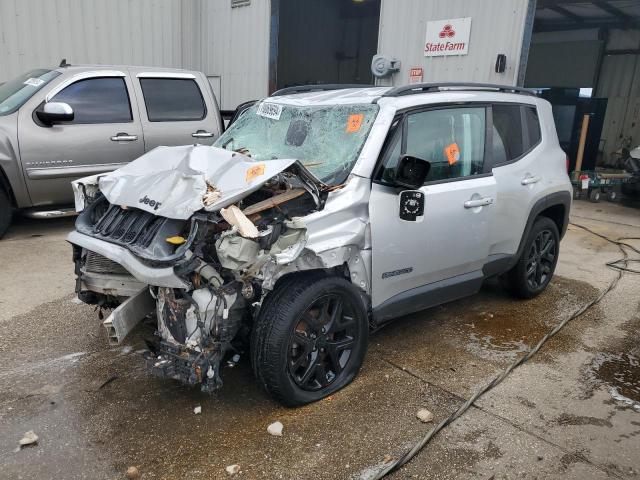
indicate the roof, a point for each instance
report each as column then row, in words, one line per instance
column 342, row 96
column 580, row 14
column 90, row 67
column 337, row 95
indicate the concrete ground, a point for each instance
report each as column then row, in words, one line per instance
column 571, row 412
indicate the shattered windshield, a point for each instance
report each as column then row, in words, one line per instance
column 326, row 139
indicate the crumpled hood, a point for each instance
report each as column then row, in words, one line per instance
column 172, row 181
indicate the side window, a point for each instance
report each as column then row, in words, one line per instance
column 97, row 100
column 507, row 125
column 532, row 125
column 172, row 99
column 452, row 140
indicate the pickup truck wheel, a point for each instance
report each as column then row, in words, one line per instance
column 310, row 340
column 6, row 212
column 536, row 265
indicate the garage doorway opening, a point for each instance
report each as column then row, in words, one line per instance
column 584, row 58
column 324, row 41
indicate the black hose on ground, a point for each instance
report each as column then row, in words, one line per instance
column 620, row 265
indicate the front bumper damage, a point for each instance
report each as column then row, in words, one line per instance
column 203, row 275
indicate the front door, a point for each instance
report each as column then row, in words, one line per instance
column 449, row 238
column 104, row 135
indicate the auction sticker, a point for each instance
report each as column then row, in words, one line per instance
column 34, row 82
column 254, row 171
column 270, row 110
column 354, row 122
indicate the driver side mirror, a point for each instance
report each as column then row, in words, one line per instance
column 411, row 172
column 54, row 112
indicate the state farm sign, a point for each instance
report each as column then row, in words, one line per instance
column 448, row 37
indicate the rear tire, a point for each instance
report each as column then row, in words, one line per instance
column 309, row 339
column 537, row 263
column 594, row 195
column 6, row 212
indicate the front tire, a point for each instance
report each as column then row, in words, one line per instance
column 310, row 339
column 537, row 263
column 6, row 212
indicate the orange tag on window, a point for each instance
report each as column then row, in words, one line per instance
column 453, row 153
column 254, row 171
column 354, row 122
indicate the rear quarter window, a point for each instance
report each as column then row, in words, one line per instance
column 516, row 131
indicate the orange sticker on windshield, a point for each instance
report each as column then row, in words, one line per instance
column 253, row 172
column 354, row 122
column 453, row 153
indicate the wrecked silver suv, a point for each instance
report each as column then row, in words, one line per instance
column 318, row 215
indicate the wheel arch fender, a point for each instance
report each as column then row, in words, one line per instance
column 346, row 261
column 555, row 206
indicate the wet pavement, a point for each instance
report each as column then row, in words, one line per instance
column 573, row 411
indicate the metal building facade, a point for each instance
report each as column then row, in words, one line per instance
column 233, row 41
column 497, row 26
column 228, row 44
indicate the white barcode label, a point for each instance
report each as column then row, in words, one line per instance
column 270, row 110
column 34, row 82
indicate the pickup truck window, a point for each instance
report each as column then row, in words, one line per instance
column 172, row 99
column 16, row 92
column 97, row 100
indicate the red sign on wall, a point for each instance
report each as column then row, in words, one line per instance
column 415, row 75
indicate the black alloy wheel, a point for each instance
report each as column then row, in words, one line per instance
column 541, row 259
column 321, row 342
column 534, row 269
column 310, row 338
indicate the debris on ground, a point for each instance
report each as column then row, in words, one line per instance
column 387, row 458
column 132, row 473
column 233, row 469
column 275, row 429
column 29, row 438
column 424, row 415
column 211, row 196
column 197, row 410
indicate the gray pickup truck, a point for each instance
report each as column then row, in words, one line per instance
column 57, row 125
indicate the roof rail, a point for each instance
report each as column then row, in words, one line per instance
column 438, row 87
column 317, row 88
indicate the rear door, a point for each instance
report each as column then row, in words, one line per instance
column 177, row 108
column 518, row 167
column 104, row 134
column 451, row 239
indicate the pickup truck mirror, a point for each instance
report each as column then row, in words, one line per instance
column 411, row 172
column 54, row 112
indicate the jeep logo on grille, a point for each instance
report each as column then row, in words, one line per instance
column 152, row 203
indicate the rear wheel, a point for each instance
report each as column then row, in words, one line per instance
column 310, row 339
column 6, row 212
column 536, row 265
column 594, row 195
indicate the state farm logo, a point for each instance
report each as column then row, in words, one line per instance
column 447, row 31
column 447, row 37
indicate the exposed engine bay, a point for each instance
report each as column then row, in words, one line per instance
column 198, row 243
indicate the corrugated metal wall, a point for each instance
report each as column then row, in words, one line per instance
column 619, row 82
column 206, row 35
column 235, row 46
column 39, row 33
column 497, row 27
